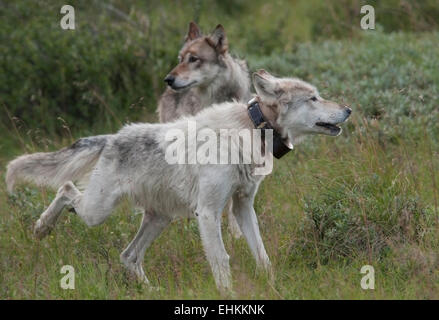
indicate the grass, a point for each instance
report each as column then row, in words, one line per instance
column 369, row 196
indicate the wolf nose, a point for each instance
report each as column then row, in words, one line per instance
column 348, row 110
column 169, row 79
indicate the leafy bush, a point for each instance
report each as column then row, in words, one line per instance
column 363, row 219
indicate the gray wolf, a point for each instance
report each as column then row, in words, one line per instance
column 131, row 162
column 206, row 74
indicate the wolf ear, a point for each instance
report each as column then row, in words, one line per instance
column 193, row 33
column 264, row 74
column 266, row 85
column 219, row 39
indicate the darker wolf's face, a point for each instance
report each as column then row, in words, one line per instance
column 301, row 109
column 200, row 59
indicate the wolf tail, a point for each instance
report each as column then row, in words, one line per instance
column 53, row 169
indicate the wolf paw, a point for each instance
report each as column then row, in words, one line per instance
column 153, row 289
column 41, row 229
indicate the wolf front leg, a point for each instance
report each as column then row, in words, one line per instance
column 248, row 222
column 212, row 198
column 209, row 222
column 151, row 227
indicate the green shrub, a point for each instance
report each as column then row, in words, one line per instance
column 363, row 219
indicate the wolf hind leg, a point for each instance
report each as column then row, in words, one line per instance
column 93, row 206
column 65, row 195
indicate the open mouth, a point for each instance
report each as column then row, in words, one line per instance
column 327, row 125
column 334, row 129
column 185, row 86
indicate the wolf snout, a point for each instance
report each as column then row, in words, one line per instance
column 347, row 112
column 169, row 79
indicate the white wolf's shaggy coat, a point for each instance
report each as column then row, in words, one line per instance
column 132, row 162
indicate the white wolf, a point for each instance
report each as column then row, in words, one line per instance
column 132, row 163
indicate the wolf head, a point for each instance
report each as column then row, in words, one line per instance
column 200, row 59
column 300, row 108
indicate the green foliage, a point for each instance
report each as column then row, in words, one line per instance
column 350, row 218
column 342, row 17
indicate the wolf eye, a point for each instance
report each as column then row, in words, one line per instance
column 193, row 59
column 314, row 98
